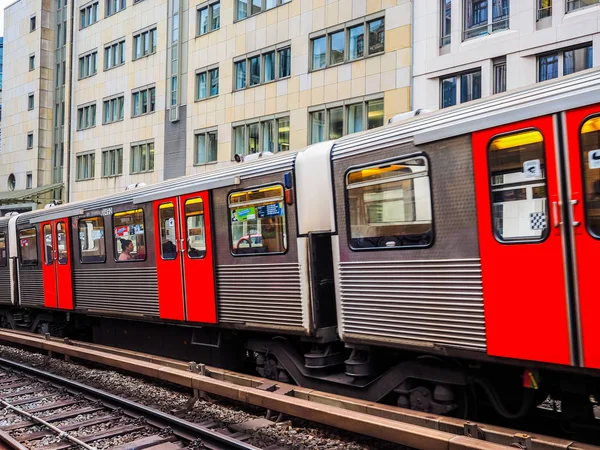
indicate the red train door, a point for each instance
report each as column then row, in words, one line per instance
column 184, row 259
column 56, row 265
column 524, row 286
column 583, row 144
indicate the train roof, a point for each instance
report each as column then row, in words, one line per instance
column 550, row 97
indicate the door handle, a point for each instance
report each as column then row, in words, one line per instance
column 182, row 245
column 556, row 221
column 574, row 202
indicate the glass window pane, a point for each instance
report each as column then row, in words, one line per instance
column 62, row 243
column 336, row 122
column 285, row 62
column 448, row 92
column 130, row 235
column 201, row 85
column 239, row 140
column 242, row 9
column 318, row 53
column 212, row 147
column 154, row 36
column 48, row 244
column 446, row 22
column 253, row 138
column 283, row 134
column 356, row 36
column 256, row 6
column 269, row 64
column 240, row 75
column 254, row 70
column 376, row 36
column 548, row 67
column 204, row 20
column 152, row 98
column 375, row 113
column 268, row 145
column 270, row 4
column 577, row 60
column 390, row 205
column 28, row 247
column 201, row 148
column 215, row 16
column 590, row 156
column 258, row 225
column 336, row 47
column 499, row 78
column 518, row 179
column 214, row 82
column 175, row 34
column 355, row 118
column 470, row 86
column 317, row 127
column 195, row 231
column 173, row 91
column 3, row 255
column 168, row 238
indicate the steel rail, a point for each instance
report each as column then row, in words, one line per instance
column 180, row 427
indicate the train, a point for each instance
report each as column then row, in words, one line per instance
column 442, row 262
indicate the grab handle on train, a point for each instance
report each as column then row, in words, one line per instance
column 555, row 219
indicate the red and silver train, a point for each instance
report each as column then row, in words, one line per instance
column 435, row 262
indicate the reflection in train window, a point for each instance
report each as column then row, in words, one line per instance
column 91, row 240
column 518, row 178
column 196, row 238
column 130, row 235
column 390, row 205
column 61, row 241
column 257, row 220
column 590, row 155
column 48, row 245
column 3, row 256
column 168, row 238
column 28, row 246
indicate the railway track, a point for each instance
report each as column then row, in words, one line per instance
column 43, row 410
column 409, row 428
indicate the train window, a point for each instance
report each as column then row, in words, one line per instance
column 91, row 240
column 390, row 205
column 28, row 247
column 3, row 256
column 61, row 241
column 590, row 154
column 196, row 238
column 48, row 244
column 518, row 186
column 130, row 235
column 257, row 219
column 168, row 243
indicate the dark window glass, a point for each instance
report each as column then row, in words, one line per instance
column 390, row 205
column 285, row 62
column 448, row 92
column 548, row 67
column 3, row 250
column 336, row 47
column 91, row 240
column 195, row 232
column 240, row 75
column 356, row 42
column 62, row 243
column 336, row 122
column 470, row 86
column 28, row 246
column 130, row 235
column 254, row 70
column 318, row 53
column 269, row 65
column 590, row 155
column 376, row 36
column 168, row 236
column 375, row 113
column 48, row 245
column 577, row 60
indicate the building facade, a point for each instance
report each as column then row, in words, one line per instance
column 128, row 92
column 475, row 48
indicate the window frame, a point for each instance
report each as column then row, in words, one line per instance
column 544, row 13
column 205, row 132
column 116, row 253
column 37, row 250
column 260, row 54
column 93, row 55
column 90, row 157
column 274, row 118
column 148, row 159
column 498, row 238
column 209, row 7
column 285, row 218
column 88, row 11
column 32, row 23
column 32, row 62
column 568, row 2
column 458, row 86
column 445, row 35
column 489, row 25
column 345, row 27
column 4, row 261
column 104, row 155
column 208, row 71
column 108, row 101
column 263, row 9
column 30, row 135
column 30, row 101
column 583, row 183
column 148, row 89
column 395, row 159
column 81, row 113
column 152, row 43
column 79, row 220
column 110, row 47
column 122, row 5
column 497, row 64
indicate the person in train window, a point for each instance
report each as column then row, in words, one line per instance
column 127, row 248
column 48, row 254
column 169, row 250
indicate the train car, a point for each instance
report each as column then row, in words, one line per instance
column 7, row 284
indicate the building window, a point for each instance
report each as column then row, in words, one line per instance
column 573, row 5
column 209, row 18
column 91, row 240
column 175, row 28
column 130, row 235
column 544, row 9
column 484, row 17
column 468, row 84
column 268, row 65
column 173, row 91
column 31, row 63
column 30, row 140
column 445, row 22
column 270, row 134
column 86, row 117
column 577, row 59
column 29, row 181
column 249, row 212
column 32, row 24
column 86, row 165
column 114, row 55
column 28, row 247
column 206, row 146
column 207, row 83
column 88, row 65
column 88, row 15
column 30, row 102
column 351, row 116
column 347, row 44
column 246, row 8
column 390, row 205
column 112, row 162
column 144, row 43
column 547, row 67
column 114, row 6
column 114, row 109
column 144, row 101
column 142, row 157
column 499, row 67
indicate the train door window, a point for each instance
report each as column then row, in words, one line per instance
column 48, row 244
column 168, row 238
column 257, row 221
column 91, row 240
column 130, row 235
column 590, row 154
column 390, row 205
column 196, row 237
column 28, row 247
column 61, row 243
column 3, row 256
column 518, row 187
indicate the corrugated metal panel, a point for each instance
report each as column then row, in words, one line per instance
column 272, row 164
column 268, row 294
column 5, row 285
column 175, row 144
column 439, row 301
column 117, row 290
column 31, row 287
column 540, row 99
